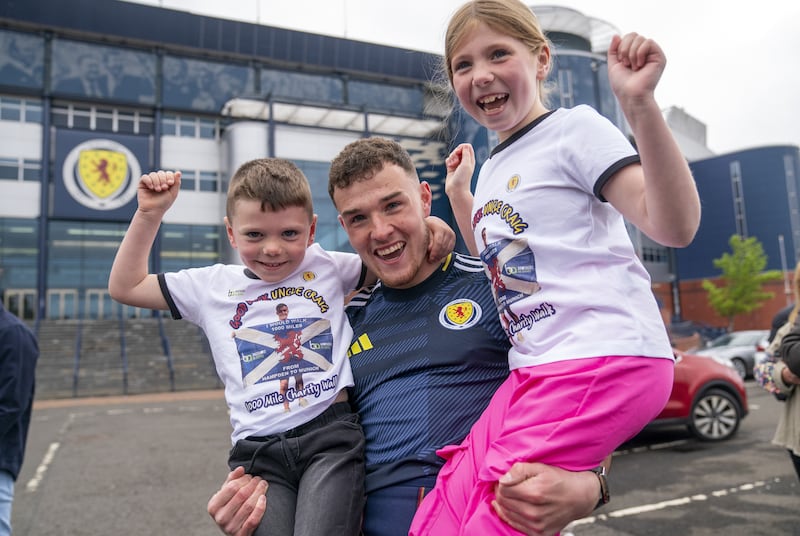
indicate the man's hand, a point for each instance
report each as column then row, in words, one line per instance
column 239, row 505
column 540, row 499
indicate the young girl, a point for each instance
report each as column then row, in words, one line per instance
column 591, row 361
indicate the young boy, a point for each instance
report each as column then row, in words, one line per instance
column 278, row 317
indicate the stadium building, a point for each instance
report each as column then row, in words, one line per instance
column 93, row 93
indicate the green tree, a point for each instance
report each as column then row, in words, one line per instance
column 743, row 276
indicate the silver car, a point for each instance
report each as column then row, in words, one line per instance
column 737, row 348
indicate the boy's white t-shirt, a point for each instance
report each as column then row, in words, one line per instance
column 253, row 350
column 565, row 274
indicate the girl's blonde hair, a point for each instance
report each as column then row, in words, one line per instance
column 509, row 17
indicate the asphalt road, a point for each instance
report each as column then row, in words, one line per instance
column 147, row 465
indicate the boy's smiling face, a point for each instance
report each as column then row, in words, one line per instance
column 272, row 244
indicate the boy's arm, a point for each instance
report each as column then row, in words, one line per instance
column 660, row 196
column 460, row 166
column 442, row 239
column 129, row 282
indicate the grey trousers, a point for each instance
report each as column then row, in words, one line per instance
column 315, row 474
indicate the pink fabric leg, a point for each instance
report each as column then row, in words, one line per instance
column 569, row 414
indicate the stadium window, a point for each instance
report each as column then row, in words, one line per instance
column 169, row 125
column 10, row 109
column 189, row 127
column 20, row 169
column 188, row 179
column 207, row 129
column 31, row 170
column 101, row 119
column 24, row 110
column 32, row 111
column 9, row 169
column 209, row 181
column 565, row 86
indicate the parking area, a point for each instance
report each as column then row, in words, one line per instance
column 147, row 465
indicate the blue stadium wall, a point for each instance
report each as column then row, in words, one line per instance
column 766, row 208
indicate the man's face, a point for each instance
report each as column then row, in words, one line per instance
column 384, row 220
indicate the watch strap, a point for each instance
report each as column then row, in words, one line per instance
column 605, row 496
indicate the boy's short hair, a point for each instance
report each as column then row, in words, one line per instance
column 362, row 159
column 275, row 182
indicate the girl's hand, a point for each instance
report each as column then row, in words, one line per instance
column 460, row 167
column 635, row 65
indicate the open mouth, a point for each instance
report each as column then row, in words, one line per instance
column 493, row 102
column 391, row 252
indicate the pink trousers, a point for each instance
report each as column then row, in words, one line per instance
column 569, row 414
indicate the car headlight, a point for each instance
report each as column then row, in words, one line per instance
column 723, row 361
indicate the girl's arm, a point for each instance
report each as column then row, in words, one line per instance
column 660, row 196
column 460, row 166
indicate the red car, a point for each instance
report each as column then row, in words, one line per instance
column 707, row 397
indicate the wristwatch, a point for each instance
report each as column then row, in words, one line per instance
column 605, row 496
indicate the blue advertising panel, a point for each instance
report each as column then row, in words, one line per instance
column 302, row 87
column 89, row 70
column 96, row 175
column 203, row 85
column 21, row 59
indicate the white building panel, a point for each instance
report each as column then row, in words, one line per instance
column 189, row 153
column 297, row 143
column 19, row 199
column 244, row 141
column 197, row 208
column 20, row 140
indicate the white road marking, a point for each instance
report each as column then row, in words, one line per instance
column 681, row 501
column 33, row 483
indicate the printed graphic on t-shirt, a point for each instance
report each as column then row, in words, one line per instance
column 511, row 267
column 512, row 270
column 284, row 349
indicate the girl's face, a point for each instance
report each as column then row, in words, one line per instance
column 496, row 79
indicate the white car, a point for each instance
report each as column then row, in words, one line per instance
column 737, row 348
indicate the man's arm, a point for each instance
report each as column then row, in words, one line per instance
column 18, row 353
column 442, row 239
column 540, row 499
column 129, row 281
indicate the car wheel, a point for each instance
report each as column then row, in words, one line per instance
column 715, row 416
column 740, row 366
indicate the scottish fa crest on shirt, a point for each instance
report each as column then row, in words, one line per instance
column 460, row 314
column 512, row 183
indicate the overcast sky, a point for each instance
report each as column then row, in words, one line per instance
column 733, row 65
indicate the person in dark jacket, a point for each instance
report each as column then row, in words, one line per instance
column 19, row 351
column 780, row 318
